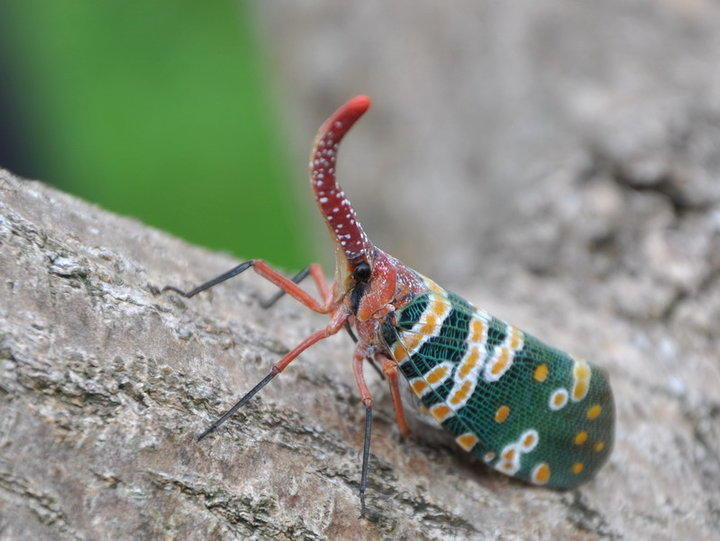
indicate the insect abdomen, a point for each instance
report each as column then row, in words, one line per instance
column 529, row 410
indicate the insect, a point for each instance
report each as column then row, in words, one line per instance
column 527, row 409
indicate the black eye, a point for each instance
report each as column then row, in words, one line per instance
column 361, row 272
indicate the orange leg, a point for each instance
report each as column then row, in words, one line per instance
column 294, row 290
column 365, row 396
column 336, row 323
column 285, row 284
column 390, row 370
column 321, row 284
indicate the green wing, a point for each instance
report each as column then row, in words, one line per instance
column 529, row 410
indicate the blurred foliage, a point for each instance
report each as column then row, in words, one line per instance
column 161, row 110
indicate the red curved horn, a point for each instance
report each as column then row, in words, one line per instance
column 334, row 204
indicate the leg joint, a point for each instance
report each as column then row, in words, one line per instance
column 389, row 367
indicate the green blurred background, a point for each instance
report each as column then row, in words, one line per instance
column 160, row 110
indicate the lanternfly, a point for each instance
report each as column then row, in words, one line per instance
column 527, row 409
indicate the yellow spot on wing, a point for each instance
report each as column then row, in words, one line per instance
column 419, row 386
column 477, row 331
column 558, row 399
column 405, row 347
column 467, row 441
column 432, row 286
column 540, row 473
column 430, row 324
column 440, row 308
column 541, row 373
column 509, row 462
column 528, row 440
column 580, row 390
column 599, row 446
column 469, row 363
column 580, row 438
column 594, row 412
column 581, row 379
column 501, row 362
column 502, row 414
column 516, row 338
column 577, row 467
column 440, row 412
column 461, row 394
column 582, row 370
column 436, row 374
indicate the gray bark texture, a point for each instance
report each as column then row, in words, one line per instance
column 557, row 163
column 104, row 384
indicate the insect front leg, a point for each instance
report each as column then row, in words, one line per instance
column 287, row 285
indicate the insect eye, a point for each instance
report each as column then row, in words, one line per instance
column 361, row 272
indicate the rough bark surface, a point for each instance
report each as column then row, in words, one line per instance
column 104, row 384
column 555, row 163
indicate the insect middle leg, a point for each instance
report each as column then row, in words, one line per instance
column 315, row 271
column 389, row 367
column 287, row 285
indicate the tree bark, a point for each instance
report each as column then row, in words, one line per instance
column 105, row 383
